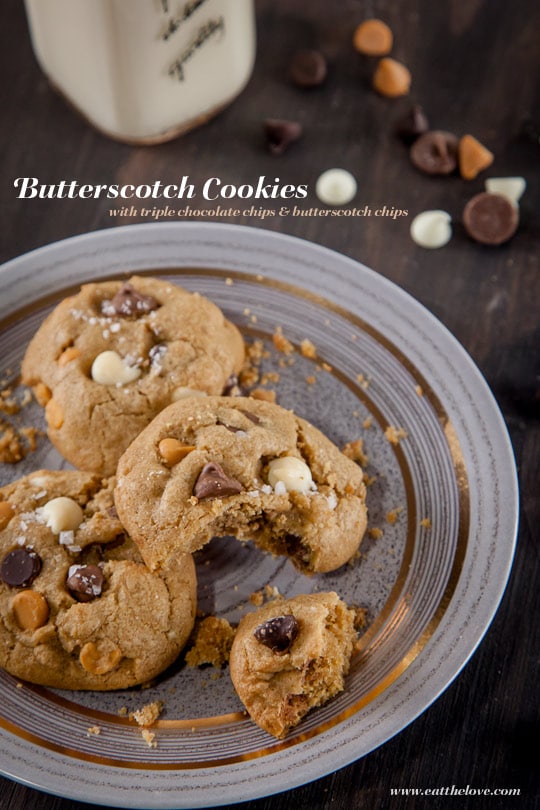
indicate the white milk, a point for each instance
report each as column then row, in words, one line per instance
column 145, row 70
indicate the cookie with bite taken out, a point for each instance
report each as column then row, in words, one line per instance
column 215, row 466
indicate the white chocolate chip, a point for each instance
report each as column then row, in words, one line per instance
column 510, row 187
column 109, row 368
column 62, row 514
column 183, row 392
column 293, row 473
column 335, row 187
column 431, row 229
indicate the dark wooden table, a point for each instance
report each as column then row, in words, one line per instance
column 475, row 67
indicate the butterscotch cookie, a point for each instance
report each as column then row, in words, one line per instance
column 108, row 359
column 79, row 609
column 290, row 656
column 220, row 466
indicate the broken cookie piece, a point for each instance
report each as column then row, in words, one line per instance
column 291, row 656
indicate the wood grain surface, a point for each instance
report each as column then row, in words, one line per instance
column 475, row 66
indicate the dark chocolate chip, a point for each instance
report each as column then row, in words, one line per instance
column 85, row 582
column 213, row 482
column 129, row 303
column 435, row 152
column 278, row 634
column 232, row 388
column 280, row 134
column 308, row 68
column 231, row 428
column 490, row 218
column 20, row 567
column 412, row 125
column 250, row 416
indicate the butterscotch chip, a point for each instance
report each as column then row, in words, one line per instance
column 172, row 451
column 391, row 78
column 473, row 157
column 6, row 513
column 68, row 355
column 99, row 661
column 373, row 38
column 30, row 610
column 42, row 393
column 54, row 414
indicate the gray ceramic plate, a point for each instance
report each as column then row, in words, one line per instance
column 442, row 501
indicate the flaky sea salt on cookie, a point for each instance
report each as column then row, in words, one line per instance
column 107, row 360
column 78, row 607
column 214, row 466
column 291, row 656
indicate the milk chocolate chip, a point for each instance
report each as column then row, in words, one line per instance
column 308, row 68
column 490, row 219
column 20, row 567
column 278, row 634
column 213, row 482
column 85, row 582
column 129, row 303
column 435, row 152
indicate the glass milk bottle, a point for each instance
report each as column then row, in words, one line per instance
column 145, row 71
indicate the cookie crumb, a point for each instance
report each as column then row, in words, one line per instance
column 419, row 390
column 355, row 451
column 392, row 516
column 16, row 443
column 311, row 380
column 93, row 731
column 149, row 738
column 122, row 712
column 375, row 533
column 262, row 393
column 425, row 523
column 213, row 641
column 148, row 714
column 307, row 349
column 360, row 618
column 281, row 343
column 368, row 422
column 394, row 435
column 363, row 381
